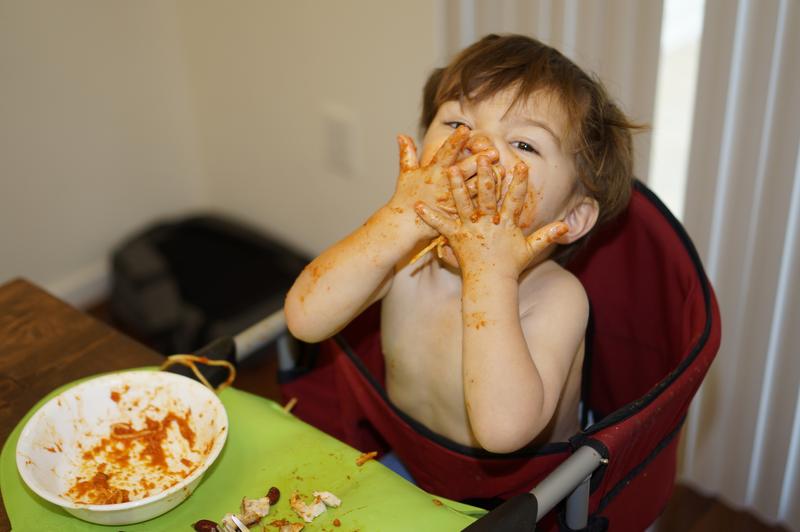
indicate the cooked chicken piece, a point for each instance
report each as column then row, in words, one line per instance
column 306, row 512
column 253, row 510
column 328, row 498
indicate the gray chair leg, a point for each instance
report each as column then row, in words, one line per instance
column 568, row 478
column 578, row 506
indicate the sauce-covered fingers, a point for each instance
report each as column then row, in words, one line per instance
column 506, row 184
column 472, row 186
column 514, row 197
column 529, row 208
column 435, row 218
column 487, row 200
column 408, row 153
column 499, row 175
column 460, row 192
column 499, row 172
column 469, row 165
column 546, row 236
column 449, row 151
column 479, row 142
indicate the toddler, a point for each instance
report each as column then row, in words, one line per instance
column 483, row 338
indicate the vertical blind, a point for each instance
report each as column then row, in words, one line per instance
column 743, row 209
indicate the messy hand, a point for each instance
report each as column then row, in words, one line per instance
column 429, row 182
column 485, row 237
column 478, row 146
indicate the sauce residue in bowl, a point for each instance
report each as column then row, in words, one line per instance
column 98, row 490
column 133, row 463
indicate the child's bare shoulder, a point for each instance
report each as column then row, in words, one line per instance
column 550, row 290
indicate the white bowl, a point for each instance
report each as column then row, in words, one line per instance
column 71, row 435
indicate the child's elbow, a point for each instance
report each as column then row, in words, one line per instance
column 506, row 438
column 301, row 331
column 298, row 322
column 501, row 444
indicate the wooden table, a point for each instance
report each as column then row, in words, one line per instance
column 45, row 343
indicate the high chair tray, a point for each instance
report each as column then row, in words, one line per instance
column 266, row 447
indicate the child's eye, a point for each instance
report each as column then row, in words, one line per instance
column 455, row 124
column 524, row 146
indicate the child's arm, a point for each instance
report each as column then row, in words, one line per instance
column 514, row 366
column 355, row 272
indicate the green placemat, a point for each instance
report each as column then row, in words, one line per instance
column 266, row 447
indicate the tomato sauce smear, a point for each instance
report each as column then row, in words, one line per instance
column 133, row 463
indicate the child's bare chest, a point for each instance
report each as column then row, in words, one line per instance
column 421, row 339
column 421, row 334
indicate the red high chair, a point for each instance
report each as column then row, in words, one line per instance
column 654, row 331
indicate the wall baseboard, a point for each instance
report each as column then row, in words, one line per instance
column 85, row 286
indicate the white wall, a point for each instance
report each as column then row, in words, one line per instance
column 265, row 73
column 97, row 135
column 116, row 113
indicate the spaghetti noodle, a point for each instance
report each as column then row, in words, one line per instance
column 189, row 361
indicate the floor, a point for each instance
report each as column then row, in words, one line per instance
column 687, row 511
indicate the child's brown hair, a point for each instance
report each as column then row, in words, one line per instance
column 599, row 136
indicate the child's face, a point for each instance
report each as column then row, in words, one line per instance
column 532, row 132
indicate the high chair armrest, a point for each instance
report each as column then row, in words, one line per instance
column 238, row 348
column 260, row 334
column 569, row 480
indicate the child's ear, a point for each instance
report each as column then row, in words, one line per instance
column 580, row 219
